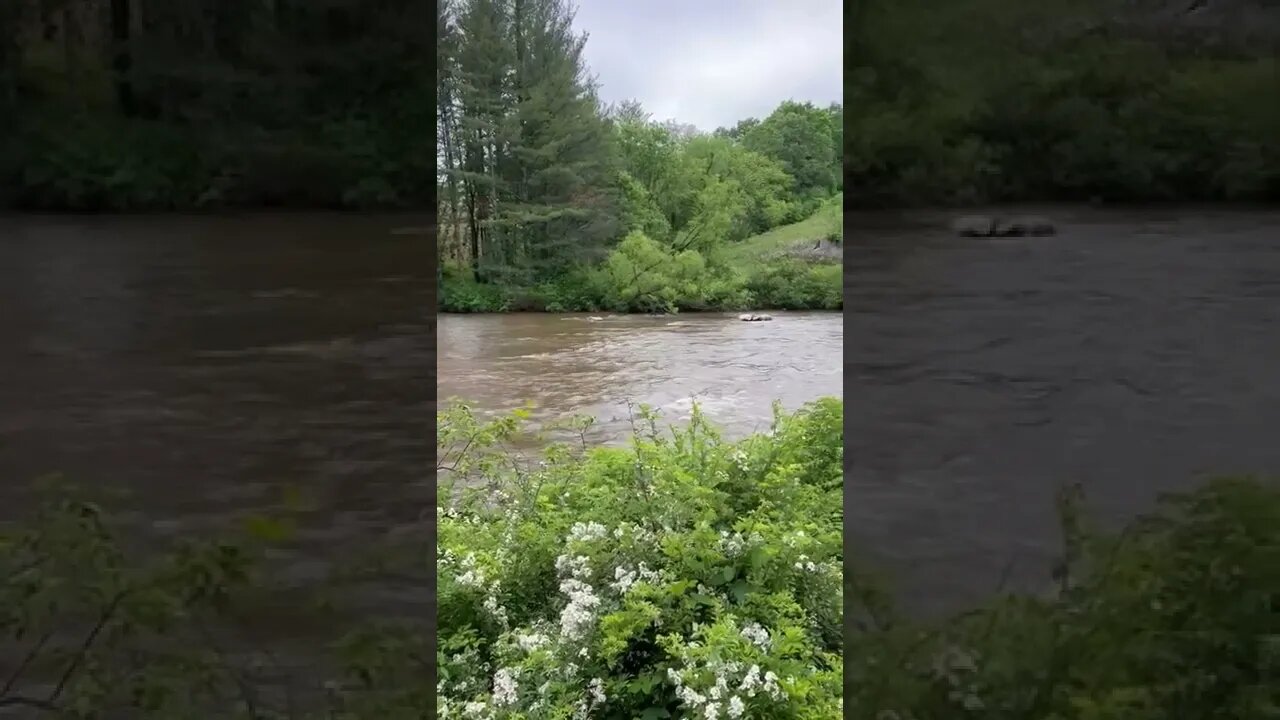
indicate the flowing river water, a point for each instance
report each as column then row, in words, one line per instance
column 605, row 365
column 1137, row 353
column 207, row 363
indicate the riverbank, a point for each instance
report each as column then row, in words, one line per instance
column 680, row 573
column 796, row 266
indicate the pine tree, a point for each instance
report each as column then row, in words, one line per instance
column 483, row 77
column 528, row 155
column 562, row 168
column 448, row 207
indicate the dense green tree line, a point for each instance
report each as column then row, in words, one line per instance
column 991, row 100
column 128, row 104
column 581, row 206
column 175, row 104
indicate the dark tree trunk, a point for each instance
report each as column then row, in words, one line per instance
column 473, row 225
column 121, row 19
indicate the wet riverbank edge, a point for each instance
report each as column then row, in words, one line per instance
column 784, row 285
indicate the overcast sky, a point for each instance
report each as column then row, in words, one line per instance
column 711, row 63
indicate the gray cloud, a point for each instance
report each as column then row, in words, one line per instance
column 711, row 63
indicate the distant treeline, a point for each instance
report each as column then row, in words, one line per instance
column 1001, row 100
column 177, row 104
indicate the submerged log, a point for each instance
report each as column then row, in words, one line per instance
column 1018, row 226
column 973, row 226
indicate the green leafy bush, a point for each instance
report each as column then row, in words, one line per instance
column 681, row 576
column 644, row 275
column 1174, row 617
column 101, row 630
column 798, row 285
column 86, row 163
column 461, row 294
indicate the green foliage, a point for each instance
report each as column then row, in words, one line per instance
column 84, row 163
column 528, row 179
column 274, row 104
column 572, row 244
column 648, row 581
column 640, row 212
column 646, row 276
column 461, row 294
column 102, row 632
column 826, row 222
column 988, row 100
column 803, row 139
column 651, row 581
column 1175, row 617
column 797, row 285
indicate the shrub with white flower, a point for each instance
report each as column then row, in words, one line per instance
column 664, row 580
column 662, row 576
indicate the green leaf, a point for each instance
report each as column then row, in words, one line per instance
column 269, row 530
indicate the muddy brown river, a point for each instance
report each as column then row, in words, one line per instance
column 1137, row 352
column 605, row 365
column 207, row 363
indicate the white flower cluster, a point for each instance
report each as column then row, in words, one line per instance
column 587, row 532
column 506, row 689
column 739, row 458
column 473, row 575
column 624, row 577
column 726, row 692
column 596, row 690
column 578, row 616
column 494, row 608
column 575, row 570
column 758, row 635
column 804, row 563
column 574, row 566
column 735, row 544
column 530, row 642
column 752, row 683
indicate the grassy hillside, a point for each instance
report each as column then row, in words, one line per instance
column 824, row 225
